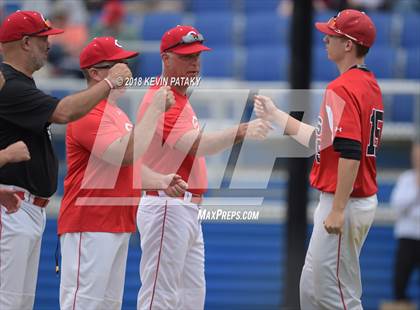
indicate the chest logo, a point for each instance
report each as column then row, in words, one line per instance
column 195, row 122
column 128, row 126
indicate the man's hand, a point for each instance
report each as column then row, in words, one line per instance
column 334, row 222
column 258, row 129
column 118, row 75
column 264, row 107
column 17, row 152
column 173, row 185
column 9, row 200
column 163, row 99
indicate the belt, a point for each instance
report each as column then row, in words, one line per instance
column 188, row 196
column 37, row 201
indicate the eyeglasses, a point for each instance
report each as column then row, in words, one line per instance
column 109, row 66
column 332, row 23
column 190, row 37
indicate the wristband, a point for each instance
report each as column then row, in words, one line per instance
column 109, row 83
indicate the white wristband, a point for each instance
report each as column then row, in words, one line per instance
column 109, row 83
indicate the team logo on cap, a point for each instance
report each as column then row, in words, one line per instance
column 193, row 34
column 118, row 44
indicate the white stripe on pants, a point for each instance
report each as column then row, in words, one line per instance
column 172, row 261
column 93, row 270
column 327, row 282
column 20, row 248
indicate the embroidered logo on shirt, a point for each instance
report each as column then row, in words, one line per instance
column 128, row 126
column 195, row 122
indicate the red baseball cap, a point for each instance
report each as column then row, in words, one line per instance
column 183, row 40
column 352, row 24
column 113, row 12
column 23, row 23
column 103, row 49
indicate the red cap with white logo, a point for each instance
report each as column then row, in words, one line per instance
column 103, row 49
column 183, row 40
column 352, row 24
column 25, row 23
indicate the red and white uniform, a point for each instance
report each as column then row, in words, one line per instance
column 352, row 109
column 97, row 214
column 161, row 154
column 172, row 262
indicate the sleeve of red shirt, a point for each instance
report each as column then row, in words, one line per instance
column 96, row 132
column 346, row 113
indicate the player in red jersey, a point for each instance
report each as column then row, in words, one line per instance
column 172, row 262
column 99, row 206
column 344, row 170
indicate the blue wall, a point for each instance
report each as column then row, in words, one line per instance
column 244, row 267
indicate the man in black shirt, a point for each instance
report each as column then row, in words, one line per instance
column 26, row 114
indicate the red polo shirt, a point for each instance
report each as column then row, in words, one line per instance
column 98, row 196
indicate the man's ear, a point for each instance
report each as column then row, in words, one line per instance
column 165, row 59
column 349, row 45
column 25, row 42
column 93, row 74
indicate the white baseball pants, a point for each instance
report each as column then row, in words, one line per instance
column 331, row 275
column 172, row 261
column 93, row 270
column 20, row 247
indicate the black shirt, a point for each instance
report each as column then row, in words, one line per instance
column 24, row 114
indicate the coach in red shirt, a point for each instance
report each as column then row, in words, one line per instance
column 97, row 214
column 172, row 262
column 346, row 140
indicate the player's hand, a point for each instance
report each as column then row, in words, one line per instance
column 17, row 152
column 258, row 129
column 9, row 200
column 334, row 222
column 174, row 185
column 264, row 107
column 163, row 99
column 119, row 74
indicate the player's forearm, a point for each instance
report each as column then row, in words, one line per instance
column 201, row 144
column 150, row 179
column 75, row 106
column 215, row 142
column 346, row 176
column 135, row 143
column 144, row 131
column 299, row 131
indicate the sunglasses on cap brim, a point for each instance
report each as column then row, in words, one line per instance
column 188, row 39
column 332, row 24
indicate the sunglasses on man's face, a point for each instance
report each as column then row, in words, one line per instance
column 189, row 38
column 109, row 66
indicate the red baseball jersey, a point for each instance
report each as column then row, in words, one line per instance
column 352, row 108
column 162, row 156
column 98, row 196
